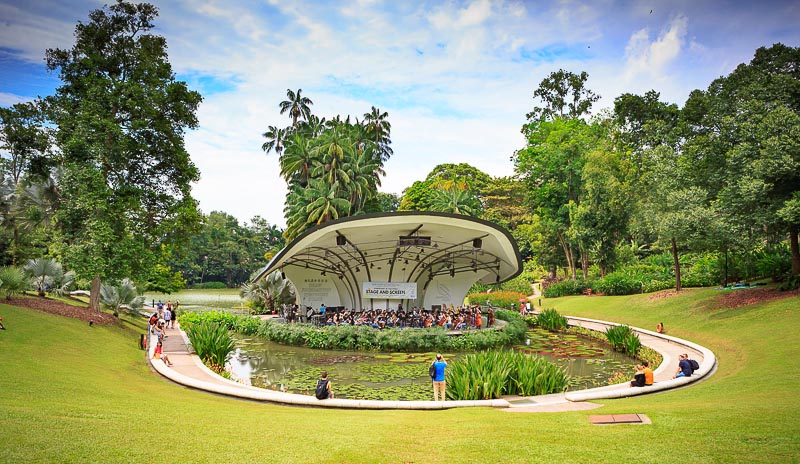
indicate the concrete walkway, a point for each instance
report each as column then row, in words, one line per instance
column 187, row 369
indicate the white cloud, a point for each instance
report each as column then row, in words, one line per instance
column 653, row 58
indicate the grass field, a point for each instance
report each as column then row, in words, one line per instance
column 194, row 299
column 71, row 393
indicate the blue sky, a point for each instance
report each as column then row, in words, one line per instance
column 456, row 77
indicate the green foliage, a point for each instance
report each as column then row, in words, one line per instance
column 565, row 288
column 13, row 280
column 550, row 319
column 500, row 299
column 163, row 279
column 45, row 272
column 210, row 285
column 618, row 283
column 211, row 340
column 623, row 338
column 119, row 118
column 365, row 338
column 122, row 296
column 492, row 374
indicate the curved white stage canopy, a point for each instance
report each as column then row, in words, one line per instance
column 381, row 260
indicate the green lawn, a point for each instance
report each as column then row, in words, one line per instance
column 225, row 298
column 71, row 393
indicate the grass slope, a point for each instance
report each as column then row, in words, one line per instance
column 71, row 393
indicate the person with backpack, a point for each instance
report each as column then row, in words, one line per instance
column 684, row 367
column 439, row 386
column 324, row 389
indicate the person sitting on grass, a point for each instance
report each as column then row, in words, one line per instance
column 159, row 354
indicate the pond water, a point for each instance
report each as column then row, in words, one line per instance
column 404, row 376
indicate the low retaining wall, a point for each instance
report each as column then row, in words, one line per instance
column 230, row 388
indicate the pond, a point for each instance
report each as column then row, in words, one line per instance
column 404, row 376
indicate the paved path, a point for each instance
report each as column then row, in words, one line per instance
column 188, row 370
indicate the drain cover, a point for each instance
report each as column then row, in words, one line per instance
column 619, row 419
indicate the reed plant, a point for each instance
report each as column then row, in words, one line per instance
column 211, row 340
column 623, row 338
column 492, row 374
column 551, row 320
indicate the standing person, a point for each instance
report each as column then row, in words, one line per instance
column 324, row 389
column 490, row 318
column 160, row 308
column 167, row 315
column 684, row 367
column 174, row 312
column 438, row 378
column 478, row 318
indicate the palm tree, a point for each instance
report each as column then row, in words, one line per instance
column 268, row 291
column 44, row 272
column 363, row 170
column 125, row 296
column 296, row 162
column 296, row 105
column 13, row 280
column 378, row 126
column 454, row 200
column 327, row 204
column 275, row 140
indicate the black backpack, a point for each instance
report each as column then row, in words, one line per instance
column 432, row 371
column 695, row 365
column 321, row 392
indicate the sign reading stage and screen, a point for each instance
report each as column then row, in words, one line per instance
column 392, row 290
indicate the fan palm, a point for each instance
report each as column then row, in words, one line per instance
column 297, row 105
column 44, row 272
column 13, row 280
column 124, row 296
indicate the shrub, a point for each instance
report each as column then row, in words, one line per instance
column 564, row 288
column 211, row 340
column 491, row 374
column 622, row 338
column 500, row 299
column 13, row 280
column 618, row 283
column 210, row 285
column 551, row 320
column 657, row 285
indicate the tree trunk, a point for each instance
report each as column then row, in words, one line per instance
column 94, row 294
column 793, row 230
column 567, row 254
column 677, row 265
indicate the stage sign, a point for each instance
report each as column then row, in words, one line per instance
column 391, row 290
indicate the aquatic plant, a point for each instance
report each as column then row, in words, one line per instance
column 211, row 340
column 550, row 319
column 491, row 374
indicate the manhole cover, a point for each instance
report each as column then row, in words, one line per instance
column 619, row 419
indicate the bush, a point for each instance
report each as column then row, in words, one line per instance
column 551, row 320
column 13, row 280
column 211, row 340
column 622, row 338
column 492, row 374
column 657, row 285
column 210, row 285
column 564, row 288
column 618, row 283
column 500, row 299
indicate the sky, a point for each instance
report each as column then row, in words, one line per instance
column 456, row 77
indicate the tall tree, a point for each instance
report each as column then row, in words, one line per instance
column 23, row 138
column 121, row 116
column 296, row 105
column 563, row 95
column 743, row 140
